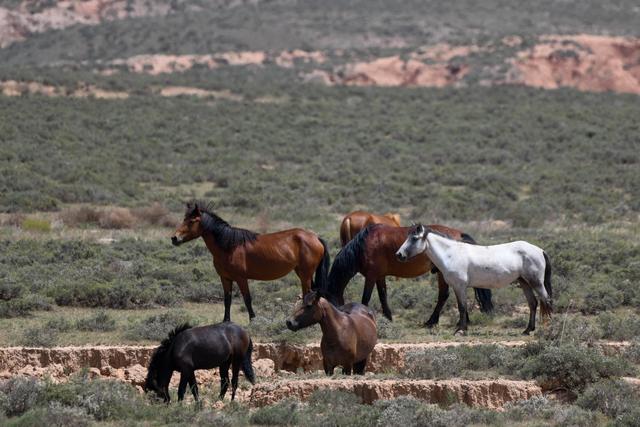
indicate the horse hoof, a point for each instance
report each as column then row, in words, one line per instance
column 526, row 332
column 430, row 324
column 460, row 333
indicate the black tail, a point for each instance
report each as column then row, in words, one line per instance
column 547, row 275
column 322, row 271
column 346, row 265
column 483, row 296
column 247, row 368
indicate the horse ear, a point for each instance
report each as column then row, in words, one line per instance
column 420, row 229
column 196, row 210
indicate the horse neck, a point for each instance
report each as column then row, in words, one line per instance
column 213, row 247
column 330, row 322
column 437, row 248
column 165, row 369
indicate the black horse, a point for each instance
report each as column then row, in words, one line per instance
column 187, row 349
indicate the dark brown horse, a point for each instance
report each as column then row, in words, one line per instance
column 349, row 333
column 372, row 253
column 357, row 220
column 188, row 349
column 241, row 255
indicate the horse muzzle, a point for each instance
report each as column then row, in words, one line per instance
column 175, row 241
column 401, row 257
column 292, row 325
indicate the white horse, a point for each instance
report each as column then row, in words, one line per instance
column 464, row 265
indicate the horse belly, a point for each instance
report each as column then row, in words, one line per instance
column 493, row 275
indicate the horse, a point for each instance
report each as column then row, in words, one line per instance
column 357, row 220
column 349, row 333
column 494, row 266
column 241, row 255
column 188, row 349
column 372, row 254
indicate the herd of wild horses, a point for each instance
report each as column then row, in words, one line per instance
column 373, row 245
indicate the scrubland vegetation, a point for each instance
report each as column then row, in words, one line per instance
column 90, row 188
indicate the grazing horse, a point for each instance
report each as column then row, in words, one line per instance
column 188, row 349
column 372, row 253
column 349, row 333
column 241, row 255
column 494, row 266
column 357, row 220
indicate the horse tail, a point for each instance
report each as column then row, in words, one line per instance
column 547, row 283
column 322, row 271
column 345, row 231
column 346, row 265
column 483, row 296
column 247, row 367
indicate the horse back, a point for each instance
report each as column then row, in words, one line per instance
column 207, row 347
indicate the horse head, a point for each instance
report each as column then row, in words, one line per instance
column 306, row 313
column 415, row 244
column 191, row 226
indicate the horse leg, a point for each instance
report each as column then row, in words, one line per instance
column 243, row 284
column 358, row 367
column 224, row 380
column 461, row 296
column 443, row 295
column 545, row 302
column 306, row 279
column 328, row 369
column 381, row 285
column 184, row 377
column 227, row 285
column 193, row 385
column 235, row 369
column 533, row 305
column 346, row 370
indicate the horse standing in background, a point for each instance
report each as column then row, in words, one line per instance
column 372, row 253
column 354, row 222
column 240, row 255
column 493, row 266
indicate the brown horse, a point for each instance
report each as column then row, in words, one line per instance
column 241, row 255
column 349, row 333
column 372, row 253
column 357, row 220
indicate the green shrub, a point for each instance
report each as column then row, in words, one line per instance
column 39, row 336
column 157, row 326
column 569, row 366
column 455, row 361
column 333, row 407
column 388, row 329
column 19, row 394
column 98, row 322
column 601, row 297
column 24, row 305
column 283, row 413
column 59, row 324
column 611, row 397
column 399, row 412
column 54, row 415
column 34, row 224
column 616, row 326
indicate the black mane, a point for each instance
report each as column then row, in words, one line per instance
column 227, row 237
column 155, row 365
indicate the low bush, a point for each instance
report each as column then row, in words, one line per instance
column 611, row 397
column 54, row 415
column 59, row 324
column 39, row 336
column 283, row 413
column 83, row 215
column 19, row 394
column 619, row 326
column 456, row 361
column 601, row 297
column 24, row 305
column 117, row 218
column 98, row 322
column 389, row 330
column 157, row 326
column 568, row 366
column 35, row 224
